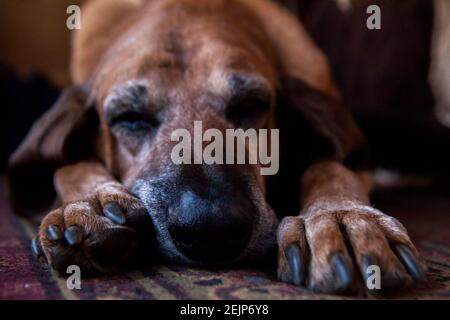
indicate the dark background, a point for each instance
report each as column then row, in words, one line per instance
column 34, row 61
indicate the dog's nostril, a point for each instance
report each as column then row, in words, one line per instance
column 207, row 230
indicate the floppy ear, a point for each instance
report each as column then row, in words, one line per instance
column 308, row 92
column 328, row 128
column 62, row 135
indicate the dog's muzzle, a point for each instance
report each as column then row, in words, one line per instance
column 205, row 217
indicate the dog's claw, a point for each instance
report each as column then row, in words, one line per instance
column 36, row 248
column 367, row 261
column 296, row 265
column 53, row 232
column 113, row 212
column 342, row 271
column 410, row 263
column 73, row 235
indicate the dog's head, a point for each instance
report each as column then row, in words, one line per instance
column 167, row 65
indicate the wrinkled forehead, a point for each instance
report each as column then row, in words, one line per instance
column 215, row 52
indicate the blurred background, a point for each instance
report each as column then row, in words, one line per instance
column 34, row 60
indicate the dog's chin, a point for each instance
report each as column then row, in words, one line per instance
column 261, row 244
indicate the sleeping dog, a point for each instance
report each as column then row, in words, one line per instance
column 142, row 69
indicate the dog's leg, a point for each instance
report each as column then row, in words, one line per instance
column 98, row 225
column 338, row 235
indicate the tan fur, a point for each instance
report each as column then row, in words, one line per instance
column 89, row 43
column 179, row 55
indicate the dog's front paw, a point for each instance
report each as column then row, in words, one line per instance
column 330, row 247
column 97, row 234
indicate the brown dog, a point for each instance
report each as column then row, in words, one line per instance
column 145, row 68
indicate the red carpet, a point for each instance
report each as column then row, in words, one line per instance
column 427, row 218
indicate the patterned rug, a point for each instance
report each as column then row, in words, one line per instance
column 426, row 216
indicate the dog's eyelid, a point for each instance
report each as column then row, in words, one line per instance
column 252, row 96
column 247, row 84
column 248, row 108
column 133, row 116
column 121, row 109
column 128, row 98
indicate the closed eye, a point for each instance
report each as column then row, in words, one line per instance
column 134, row 122
column 247, row 111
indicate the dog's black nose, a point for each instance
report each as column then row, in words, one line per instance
column 206, row 229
